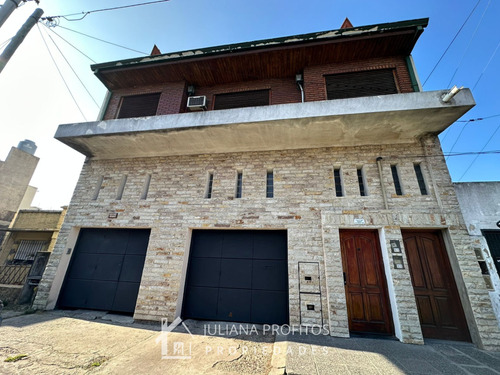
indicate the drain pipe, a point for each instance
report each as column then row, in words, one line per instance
column 299, row 80
column 382, row 186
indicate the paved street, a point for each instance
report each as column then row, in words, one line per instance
column 87, row 342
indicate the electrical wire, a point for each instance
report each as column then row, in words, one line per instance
column 85, row 14
column 6, row 42
column 486, row 67
column 467, row 153
column 455, row 37
column 69, row 43
column 459, row 135
column 479, row 118
column 469, row 44
column 104, row 41
column 60, row 73
column 480, row 152
column 447, row 131
column 73, row 70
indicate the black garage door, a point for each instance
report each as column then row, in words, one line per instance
column 238, row 276
column 493, row 240
column 105, row 270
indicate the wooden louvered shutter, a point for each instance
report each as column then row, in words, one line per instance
column 367, row 83
column 139, row 105
column 242, row 99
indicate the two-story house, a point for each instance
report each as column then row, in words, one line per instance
column 295, row 180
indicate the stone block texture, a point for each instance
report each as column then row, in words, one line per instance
column 304, row 203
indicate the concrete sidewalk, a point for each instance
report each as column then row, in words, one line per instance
column 330, row 355
column 88, row 342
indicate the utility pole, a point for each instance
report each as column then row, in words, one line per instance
column 19, row 37
column 7, row 8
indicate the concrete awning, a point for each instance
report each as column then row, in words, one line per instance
column 388, row 119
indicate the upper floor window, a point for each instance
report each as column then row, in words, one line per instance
column 356, row 84
column 239, row 184
column 397, row 182
column 242, row 99
column 28, row 248
column 270, row 184
column 139, row 105
column 420, row 179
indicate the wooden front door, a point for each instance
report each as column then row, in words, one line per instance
column 365, row 285
column 439, row 307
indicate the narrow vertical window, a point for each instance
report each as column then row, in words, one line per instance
column 361, row 183
column 98, row 187
column 269, row 184
column 337, row 176
column 239, row 184
column 395, row 177
column 210, row 183
column 145, row 188
column 121, row 188
column 420, row 179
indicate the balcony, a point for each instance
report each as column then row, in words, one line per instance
column 387, row 119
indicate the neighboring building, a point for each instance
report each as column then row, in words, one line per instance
column 480, row 204
column 15, row 174
column 32, row 232
column 333, row 208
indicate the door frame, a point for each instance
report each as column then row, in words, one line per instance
column 62, row 266
column 463, row 296
column 386, row 276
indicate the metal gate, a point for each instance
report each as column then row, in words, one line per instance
column 239, row 276
column 105, row 270
column 493, row 240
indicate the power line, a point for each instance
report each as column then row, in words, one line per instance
column 455, row 37
column 486, row 67
column 104, row 41
column 5, row 43
column 85, row 14
column 70, row 44
column 62, row 77
column 479, row 118
column 469, row 44
column 459, row 135
column 468, row 153
column 447, row 131
column 480, row 152
column 446, row 134
column 73, row 70
column 477, row 152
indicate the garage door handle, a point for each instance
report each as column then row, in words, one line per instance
column 345, row 280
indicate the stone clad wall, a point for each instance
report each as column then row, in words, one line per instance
column 304, row 203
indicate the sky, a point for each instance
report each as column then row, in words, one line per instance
column 34, row 99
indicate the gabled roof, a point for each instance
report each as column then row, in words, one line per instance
column 232, row 62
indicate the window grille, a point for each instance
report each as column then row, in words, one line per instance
column 27, row 249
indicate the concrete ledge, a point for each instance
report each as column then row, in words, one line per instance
column 398, row 118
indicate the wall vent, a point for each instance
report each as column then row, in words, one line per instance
column 197, row 103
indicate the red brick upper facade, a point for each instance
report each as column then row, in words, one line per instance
column 269, row 68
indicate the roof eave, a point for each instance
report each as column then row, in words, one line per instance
column 418, row 25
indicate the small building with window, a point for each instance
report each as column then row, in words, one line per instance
column 294, row 180
column 32, row 232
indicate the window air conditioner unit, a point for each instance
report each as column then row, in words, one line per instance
column 197, row 103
